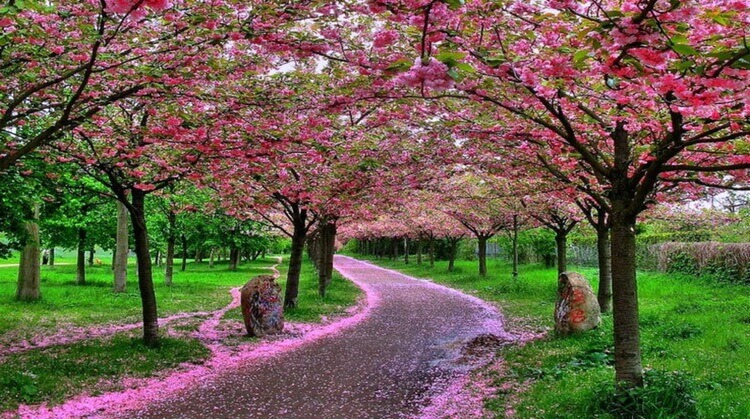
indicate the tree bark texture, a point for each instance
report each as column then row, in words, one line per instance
column 628, row 369
column 29, row 269
column 482, row 255
column 121, row 249
column 145, row 273
column 603, row 245
column 81, row 258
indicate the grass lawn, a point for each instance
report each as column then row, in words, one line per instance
column 693, row 325
column 56, row 373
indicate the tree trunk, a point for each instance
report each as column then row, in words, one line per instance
column 145, row 273
column 420, row 244
column 295, row 266
column 211, row 258
column 169, row 266
column 394, row 248
column 452, row 255
column 628, row 369
column 184, row 253
column 406, row 251
column 199, row 256
column 234, row 257
column 515, row 246
column 431, row 250
column 327, row 243
column 29, row 275
column 171, row 240
column 157, row 257
column 81, row 258
column 51, row 257
column 561, row 242
column 121, row 249
column 605, row 268
column 482, row 254
column 91, row 256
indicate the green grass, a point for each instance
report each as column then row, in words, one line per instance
column 57, row 373
column 199, row 288
column 694, row 325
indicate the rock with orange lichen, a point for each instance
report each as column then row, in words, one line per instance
column 261, row 306
column 576, row 309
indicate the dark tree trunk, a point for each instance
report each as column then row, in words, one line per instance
column 81, row 258
column 121, row 249
column 234, row 257
column 431, row 250
column 605, row 268
column 394, row 248
column 169, row 263
column 327, row 243
column 295, row 266
column 145, row 273
column 198, row 256
column 29, row 275
column 482, row 254
column 91, row 256
column 420, row 245
column 452, row 256
column 628, row 369
column 514, row 239
column 171, row 241
column 561, row 242
column 51, row 257
column 406, row 251
column 211, row 258
column 184, row 253
column 157, row 257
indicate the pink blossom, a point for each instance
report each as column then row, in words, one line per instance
column 384, row 38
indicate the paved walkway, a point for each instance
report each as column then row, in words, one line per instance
column 387, row 365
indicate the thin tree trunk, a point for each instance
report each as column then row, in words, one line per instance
column 29, row 269
column 157, row 257
column 91, row 256
column 561, row 242
column 51, row 257
column 145, row 273
column 327, row 242
column 431, row 250
column 406, row 251
column 452, row 256
column 121, row 249
column 604, row 295
column 420, row 244
column 295, row 267
column 211, row 258
column 169, row 266
column 482, row 241
column 234, row 256
column 184, row 252
column 515, row 246
column 81, row 258
column 628, row 368
column 171, row 241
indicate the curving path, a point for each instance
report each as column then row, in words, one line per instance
column 390, row 364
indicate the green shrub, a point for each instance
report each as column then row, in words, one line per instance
column 663, row 395
column 729, row 262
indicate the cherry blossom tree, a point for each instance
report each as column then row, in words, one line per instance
column 620, row 99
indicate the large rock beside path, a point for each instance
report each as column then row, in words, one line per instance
column 261, row 306
column 576, row 309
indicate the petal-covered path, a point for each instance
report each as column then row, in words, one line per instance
column 393, row 363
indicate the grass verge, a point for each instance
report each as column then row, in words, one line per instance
column 56, row 373
column 695, row 341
